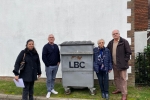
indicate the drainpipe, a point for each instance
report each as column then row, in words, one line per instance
column 148, row 30
column 148, row 36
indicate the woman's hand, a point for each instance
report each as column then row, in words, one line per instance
column 39, row 76
column 16, row 78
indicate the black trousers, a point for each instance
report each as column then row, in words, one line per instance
column 103, row 81
column 28, row 91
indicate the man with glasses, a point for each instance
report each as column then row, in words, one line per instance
column 51, row 59
column 120, row 52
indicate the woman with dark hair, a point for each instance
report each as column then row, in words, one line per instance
column 30, row 71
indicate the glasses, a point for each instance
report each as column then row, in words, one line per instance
column 101, row 43
column 51, row 37
column 115, row 33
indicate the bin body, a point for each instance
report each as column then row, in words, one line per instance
column 77, row 64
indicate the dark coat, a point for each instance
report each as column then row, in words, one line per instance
column 123, row 53
column 32, row 66
column 107, row 59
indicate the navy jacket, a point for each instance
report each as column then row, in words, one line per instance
column 50, row 55
column 107, row 59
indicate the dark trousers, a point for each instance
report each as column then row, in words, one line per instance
column 103, row 81
column 28, row 91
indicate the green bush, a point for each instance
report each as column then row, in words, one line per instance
column 142, row 67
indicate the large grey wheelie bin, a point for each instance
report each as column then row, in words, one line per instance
column 77, row 65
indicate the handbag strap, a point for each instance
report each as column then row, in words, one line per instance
column 24, row 56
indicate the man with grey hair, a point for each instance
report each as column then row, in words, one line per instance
column 51, row 59
column 120, row 52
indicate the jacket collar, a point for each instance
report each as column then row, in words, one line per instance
column 98, row 48
column 120, row 40
column 101, row 48
column 27, row 51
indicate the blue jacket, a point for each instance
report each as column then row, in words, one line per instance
column 107, row 59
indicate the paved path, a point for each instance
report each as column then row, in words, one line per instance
column 18, row 97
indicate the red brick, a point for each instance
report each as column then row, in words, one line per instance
column 141, row 15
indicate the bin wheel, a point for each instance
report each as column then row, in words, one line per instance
column 68, row 91
column 92, row 92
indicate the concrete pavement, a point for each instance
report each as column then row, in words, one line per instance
column 18, row 97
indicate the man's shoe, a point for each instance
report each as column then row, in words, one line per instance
column 48, row 95
column 124, row 97
column 103, row 95
column 54, row 92
column 116, row 92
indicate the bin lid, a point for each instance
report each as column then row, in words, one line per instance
column 71, row 43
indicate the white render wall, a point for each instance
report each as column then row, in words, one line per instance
column 140, row 38
column 68, row 20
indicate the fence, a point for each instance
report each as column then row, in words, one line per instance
column 142, row 69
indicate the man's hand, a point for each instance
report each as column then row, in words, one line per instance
column 58, row 63
column 109, row 71
column 16, row 78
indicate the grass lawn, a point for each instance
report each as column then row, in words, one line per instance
column 134, row 93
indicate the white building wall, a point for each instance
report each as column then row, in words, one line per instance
column 140, row 41
column 68, row 20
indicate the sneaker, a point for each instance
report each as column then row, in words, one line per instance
column 48, row 95
column 54, row 92
column 106, row 95
column 103, row 95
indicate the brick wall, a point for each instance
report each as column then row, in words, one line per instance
column 130, row 34
column 139, row 22
column 148, row 34
column 148, row 14
column 141, row 15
